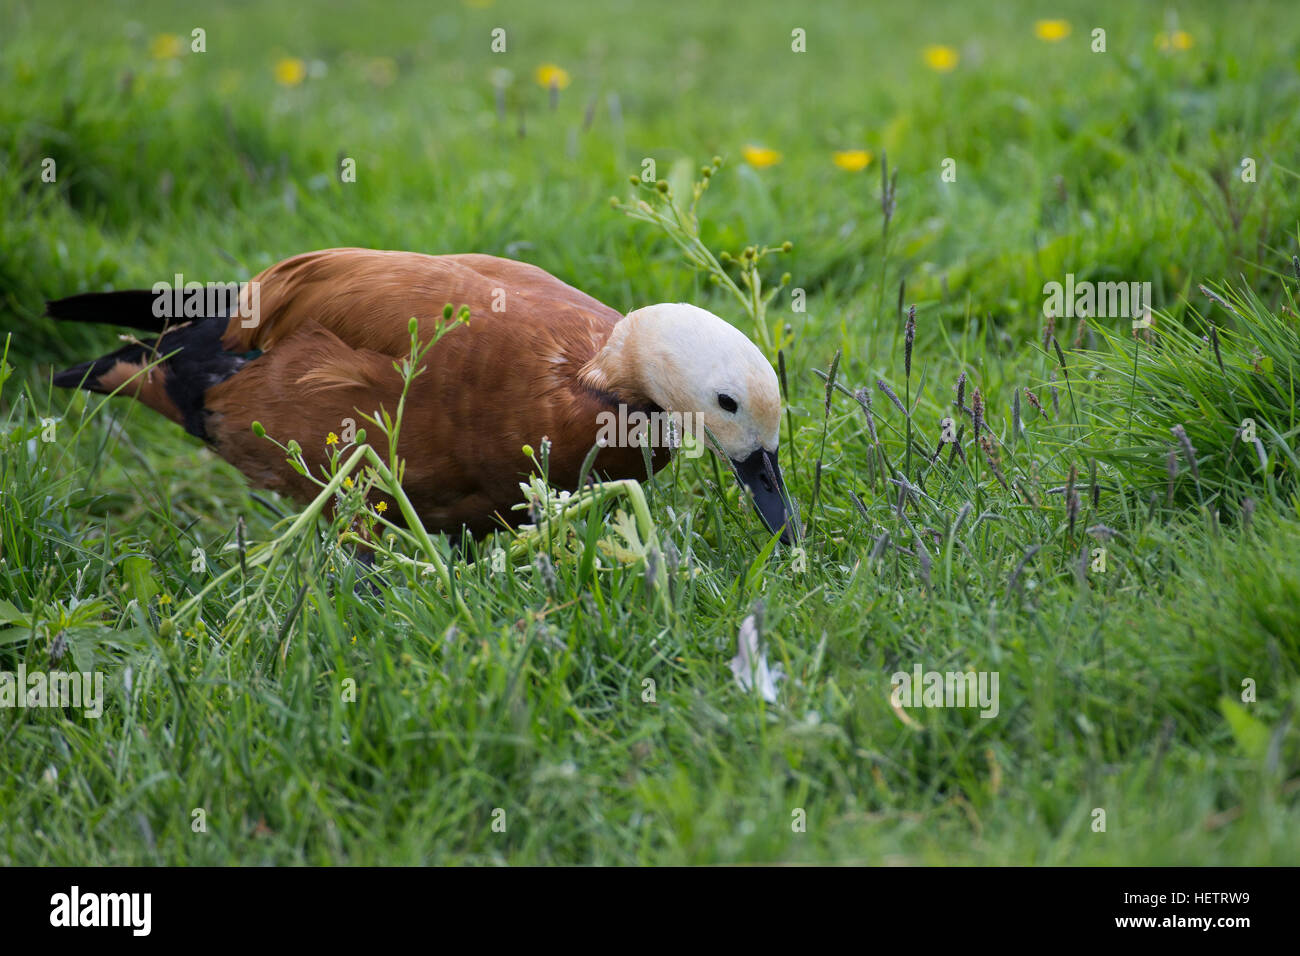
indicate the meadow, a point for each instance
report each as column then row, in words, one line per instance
column 1106, row 517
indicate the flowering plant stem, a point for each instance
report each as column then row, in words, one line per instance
column 270, row 553
column 683, row 228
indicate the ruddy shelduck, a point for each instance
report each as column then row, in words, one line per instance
column 312, row 342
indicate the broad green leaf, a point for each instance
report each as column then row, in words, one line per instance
column 1251, row 734
column 138, row 574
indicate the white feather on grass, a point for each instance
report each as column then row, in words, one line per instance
column 750, row 664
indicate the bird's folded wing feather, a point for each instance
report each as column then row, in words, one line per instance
column 367, row 297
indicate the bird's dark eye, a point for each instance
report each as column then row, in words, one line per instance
column 727, row 403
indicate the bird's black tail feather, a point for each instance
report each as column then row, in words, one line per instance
column 85, row 375
column 189, row 359
column 133, row 308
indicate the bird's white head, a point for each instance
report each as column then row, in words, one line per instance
column 692, row 361
column 687, row 360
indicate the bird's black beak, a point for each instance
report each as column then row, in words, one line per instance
column 761, row 474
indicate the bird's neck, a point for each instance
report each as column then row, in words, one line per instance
column 618, row 369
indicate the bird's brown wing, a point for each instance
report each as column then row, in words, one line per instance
column 330, row 325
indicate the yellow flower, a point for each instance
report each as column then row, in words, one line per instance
column 347, row 483
column 164, row 599
column 381, row 507
column 852, row 160
column 760, row 157
column 941, row 59
column 290, row 71
column 1178, row 40
column 548, row 75
column 1053, row 31
column 331, row 439
column 165, row 46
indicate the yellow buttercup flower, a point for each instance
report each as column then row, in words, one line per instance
column 548, row 75
column 941, row 59
column 1053, row 31
column 290, row 71
column 852, row 160
column 165, row 46
column 331, row 439
column 760, row 157
column 347, row 483
column 381, row 507
column 1178, row 40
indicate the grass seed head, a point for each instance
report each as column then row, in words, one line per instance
column 962, row 515
column 863, row 396
column 1214, row 341
column 1072, row 499
column 908, row 339
column 1060, row 357
column 878, row 549
column 1171, row 471
column 830, row 380
column 1189, row 452
column 923, row 557
column 1215, row 297
column 672, row 557
column 994, row 460
column 880, row 384
column 652, row 558
column 546, row 571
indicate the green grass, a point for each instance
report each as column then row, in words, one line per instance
column 1120, row 690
